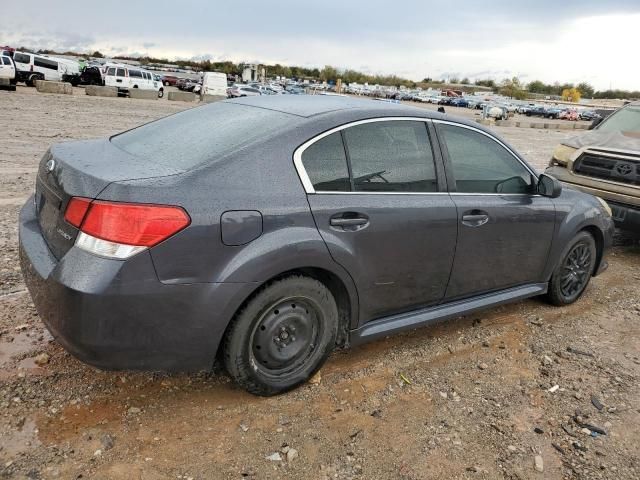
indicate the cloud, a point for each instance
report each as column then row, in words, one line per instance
column 546, row 39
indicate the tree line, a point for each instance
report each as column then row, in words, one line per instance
column 511, row 87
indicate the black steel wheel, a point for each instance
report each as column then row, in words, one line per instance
column 286, row 335
column 572, row 275
column 282, row 336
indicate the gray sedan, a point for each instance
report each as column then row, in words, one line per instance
column 266, row 231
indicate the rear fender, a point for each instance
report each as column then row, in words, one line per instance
column 285, row 250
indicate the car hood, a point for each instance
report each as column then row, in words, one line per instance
column 594, row 138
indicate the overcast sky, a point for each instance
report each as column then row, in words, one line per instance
column 566, row 41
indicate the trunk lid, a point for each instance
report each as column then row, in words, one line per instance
column 82, row 169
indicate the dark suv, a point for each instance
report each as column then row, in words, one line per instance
column 268, row 230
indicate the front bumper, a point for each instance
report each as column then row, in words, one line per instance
column 116, row 314
column 625, row 208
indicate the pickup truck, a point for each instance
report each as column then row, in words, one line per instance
column 605, row 161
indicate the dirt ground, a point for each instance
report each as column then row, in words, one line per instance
column 525, row 391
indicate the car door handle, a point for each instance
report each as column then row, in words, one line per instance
column 349, row 221
column 475, row 219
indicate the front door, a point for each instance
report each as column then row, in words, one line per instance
column 505, row 229
column 379, row 206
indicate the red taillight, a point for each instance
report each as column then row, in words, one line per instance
column 128, row 223
column 76, row 210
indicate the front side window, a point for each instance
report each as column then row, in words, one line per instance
column 326, row 164
column 482, row 165
column 22, row 58
column 111, row 71
column 391, row 156
column 120, row 72
column 6, row 60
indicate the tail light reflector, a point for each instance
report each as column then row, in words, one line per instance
column 121, row 230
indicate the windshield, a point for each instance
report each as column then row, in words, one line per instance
column 625, row 120
column 201, row 134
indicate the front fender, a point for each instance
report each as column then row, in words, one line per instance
column 576, row 211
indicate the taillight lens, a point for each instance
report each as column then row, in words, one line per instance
column 121, row 230
column 76, row 210
column 133, row 224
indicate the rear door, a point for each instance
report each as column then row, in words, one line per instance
column 505, row 228
column 377, row 192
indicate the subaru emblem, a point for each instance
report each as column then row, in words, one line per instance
column 51, row 164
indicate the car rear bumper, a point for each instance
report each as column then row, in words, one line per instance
column 116, row 314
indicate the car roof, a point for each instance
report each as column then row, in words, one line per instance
column 313, row 105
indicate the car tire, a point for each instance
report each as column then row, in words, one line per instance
column 161, row 93
column 571, row 277
column 282, row 336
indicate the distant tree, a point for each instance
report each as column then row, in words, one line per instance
column 465, row 81
column 97, row 54
column 427, row 80
column 571, row 95
column 585, row 89
column 328, row 73
column 454, row 80
column 538, row 87
column 511, row 87
column 486, row 83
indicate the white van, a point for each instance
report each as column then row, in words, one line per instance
column 215, row 84
column 32, row 66
column 126, row 77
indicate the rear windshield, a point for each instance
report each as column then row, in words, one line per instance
column 201, row 134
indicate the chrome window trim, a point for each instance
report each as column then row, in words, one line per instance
column 308, row 186
column 378, row 193
column 302, row 173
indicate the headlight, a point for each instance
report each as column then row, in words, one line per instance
column 605, row 205
column 562, row 154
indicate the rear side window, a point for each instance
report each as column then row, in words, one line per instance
column 482, row 165
column 45, row 63
column 135, row 73
column 326, row 164
column 111, row 71
column 22, row 58
column 120, row 72
column 391, row 156
column 202, row 134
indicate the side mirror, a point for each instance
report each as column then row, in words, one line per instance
column 549, row 186
column 595, row 123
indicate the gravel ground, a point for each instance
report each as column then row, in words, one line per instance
column 524, row 391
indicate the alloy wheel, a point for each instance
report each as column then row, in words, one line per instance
column 575, row 271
